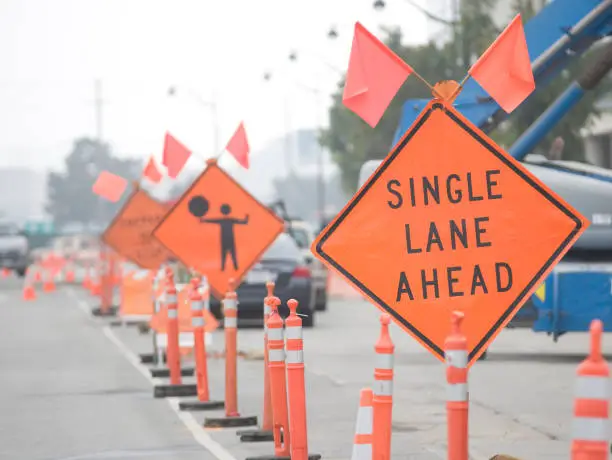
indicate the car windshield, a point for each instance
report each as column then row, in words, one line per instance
column 284, row 247
column 300, row 236
column 8, row 229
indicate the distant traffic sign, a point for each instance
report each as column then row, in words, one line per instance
column 218, row 228
column 449, row 221
column 39, row 227
column 129, row 233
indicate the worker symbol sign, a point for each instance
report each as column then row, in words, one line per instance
column 218, row 228
column 449, row 221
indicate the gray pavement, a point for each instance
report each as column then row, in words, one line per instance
column 68, row 391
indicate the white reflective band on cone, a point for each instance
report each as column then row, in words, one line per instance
column 196, row 305
column 276, row 356
column 590, row 429
column 172, row 313
column 384, row 361
column 295, row 356
column 170, row 298
column 275, row 333
column 197, row 321
column 456, row 392
column 362, row 452
column 293, row 332
column 364, row 420
column 229, row 304
column 456, row 358
column 383, row 387
column 230, row 322
column 592, row 387
column 267, row 309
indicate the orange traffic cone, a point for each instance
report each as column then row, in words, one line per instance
column 28, row 288
column 49, row 285
column 5, row 272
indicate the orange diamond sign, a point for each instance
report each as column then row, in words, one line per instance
column 129, row 233
column 449, row 221
column 218, row 228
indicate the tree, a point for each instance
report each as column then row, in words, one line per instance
column 69, row 195
column 352, row 142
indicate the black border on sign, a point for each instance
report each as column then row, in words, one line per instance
column 118, row 216
column 209, row 166
column 384, row 165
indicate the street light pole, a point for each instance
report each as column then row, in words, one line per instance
column 212, row 106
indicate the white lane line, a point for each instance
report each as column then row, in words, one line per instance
column 197, row 431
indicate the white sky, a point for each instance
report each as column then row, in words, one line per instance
column 53, row 50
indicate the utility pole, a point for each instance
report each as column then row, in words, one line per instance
column 98, row 109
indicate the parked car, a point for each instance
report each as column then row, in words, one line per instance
column 284, row 264
column 303, row 235
column 14, row 248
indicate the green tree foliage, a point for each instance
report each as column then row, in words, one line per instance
column 69, row 195
column 352, row 142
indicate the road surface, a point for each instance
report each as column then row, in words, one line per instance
column 72, row 388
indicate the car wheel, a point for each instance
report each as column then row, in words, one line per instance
column 308, row 321
column 21, row 272
column 483, row 356
column 321, row 304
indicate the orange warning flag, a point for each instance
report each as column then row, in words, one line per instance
column 504, row 70
column 130, row 231
column 109, row 186
column 175, row 155
column 218, row 228
column 238, row 146
column 375, row 75
column 152, row 172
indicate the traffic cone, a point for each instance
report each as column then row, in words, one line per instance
column 5, row 272
column 28, row 289
column 362, row 446
column 49, row 285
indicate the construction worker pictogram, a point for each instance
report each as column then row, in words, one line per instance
column 129, row 233
column 218, row 228
column 453, row 223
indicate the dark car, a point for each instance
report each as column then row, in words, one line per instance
column 284, row 264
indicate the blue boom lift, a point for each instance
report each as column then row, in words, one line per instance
column 580, row 287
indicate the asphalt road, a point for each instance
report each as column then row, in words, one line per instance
column 72, row 388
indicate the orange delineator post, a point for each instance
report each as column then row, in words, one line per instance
column 28, row 288
column 265, row 433
column 296, row 383
column 457, row 403
column 362, row 445
column 383, row 392
column 172, row 352
column 278, row 383
column 230, row 323
column 201, row 369
column 590, row 436
column 49, row 283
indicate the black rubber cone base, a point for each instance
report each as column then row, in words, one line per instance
column 230, row 422
column 172, row 391
column 147, row 358
column 273, row 457
column 163, row 372
column 201, row 405
column 255, row 435
column 112, row 311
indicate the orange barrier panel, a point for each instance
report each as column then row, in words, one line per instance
column 383, row 392
column 362, row 445
column 590, row 437
column 455, row 351
column 265, row 433
column 230, row 323
column 136, row 295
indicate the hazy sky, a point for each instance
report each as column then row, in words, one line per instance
column 52, row 51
